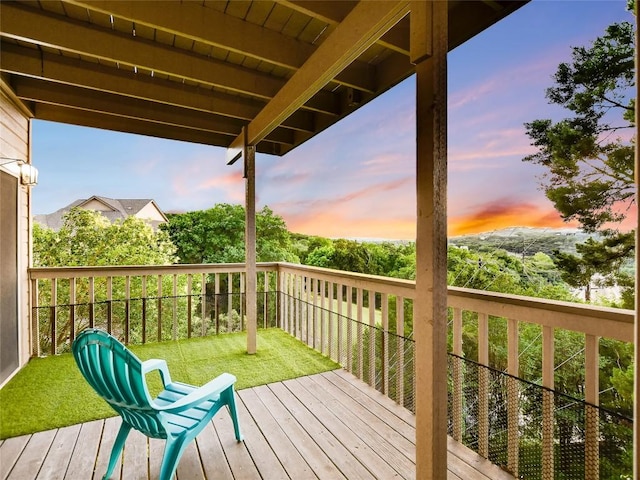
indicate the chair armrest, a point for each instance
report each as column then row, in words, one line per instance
column 207, row 391
column 157, row 364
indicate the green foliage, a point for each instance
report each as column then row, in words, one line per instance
column 216, row 235
column 589, row 169
column 88, row 238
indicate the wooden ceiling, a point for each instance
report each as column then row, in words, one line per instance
column 199, row 71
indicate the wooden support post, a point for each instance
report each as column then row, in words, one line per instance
column 430, row 305
column 249, row 155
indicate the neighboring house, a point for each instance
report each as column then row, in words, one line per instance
column 112, row 208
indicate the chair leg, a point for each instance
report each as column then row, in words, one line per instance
column 233, row 411
column 172, row 453
column 116, row 451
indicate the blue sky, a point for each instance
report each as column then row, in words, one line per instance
column 357, row 179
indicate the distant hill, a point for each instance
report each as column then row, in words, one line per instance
column 524, row 240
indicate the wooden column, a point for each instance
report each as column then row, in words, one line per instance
column 429, row 53
column 249, row 155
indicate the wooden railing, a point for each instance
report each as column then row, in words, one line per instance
column 143, row 304
column 362, row 322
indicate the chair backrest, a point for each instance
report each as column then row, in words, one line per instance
column 115, row 373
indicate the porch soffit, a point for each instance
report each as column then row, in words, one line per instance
column 200, row 71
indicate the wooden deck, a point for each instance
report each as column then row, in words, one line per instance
column 327, row 426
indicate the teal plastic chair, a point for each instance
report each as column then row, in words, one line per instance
column 177, row 414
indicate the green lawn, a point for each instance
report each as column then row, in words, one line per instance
column 51, row 393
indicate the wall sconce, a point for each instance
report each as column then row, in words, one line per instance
column 27, row 172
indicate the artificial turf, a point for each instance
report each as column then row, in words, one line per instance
column 51, row 393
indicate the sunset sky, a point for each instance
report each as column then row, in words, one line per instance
column 357, row 179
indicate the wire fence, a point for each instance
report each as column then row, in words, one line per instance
column 568, row 427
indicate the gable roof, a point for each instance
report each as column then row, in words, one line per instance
column 117, row 209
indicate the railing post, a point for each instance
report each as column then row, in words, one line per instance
column 483, row 385
column 547, row 402
column 513, row 396
column 592, row 421
column 457, row 375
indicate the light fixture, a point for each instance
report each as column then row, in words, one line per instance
column 28, row 173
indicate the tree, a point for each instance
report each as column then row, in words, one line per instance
column 216, row 235
column 88, row 238
column 589, row 166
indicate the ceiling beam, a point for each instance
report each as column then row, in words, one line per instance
column 56, row 113
column 359, row 30
column 193, row 21
column 29, row 62
column 41, row 91
column 334, row 12
column 59, row 32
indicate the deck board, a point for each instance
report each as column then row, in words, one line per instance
column 327, row 426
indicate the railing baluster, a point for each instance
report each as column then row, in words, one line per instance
column 458, row 378
column 592, row 424
column 384, row 307
column 513, row 396
column 265, row 302
column 35, row 321
column 314, row 314
column 189, row 293
column 144, row 308
column 359, row 313
column 296, row 318
column 110, row 304
column 127, row 300
column 242, row 296
column 483, row 385
column 400, row 350
column 72, row 309
column 547, row 402
column 92, row 301
column 340, row 299
column 216, row 303
column 229, row 300
column 174, row 330
column 216, row 306
column 53, row 316
column 323, row 315
column 349, row 347
column 372, row 338
column 159, row 308
column 330, row 322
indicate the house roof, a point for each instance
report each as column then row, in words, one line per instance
column 201, row 71
column 117, row 209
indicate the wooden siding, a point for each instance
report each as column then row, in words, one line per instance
column 326, row 426
column 15, row 143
